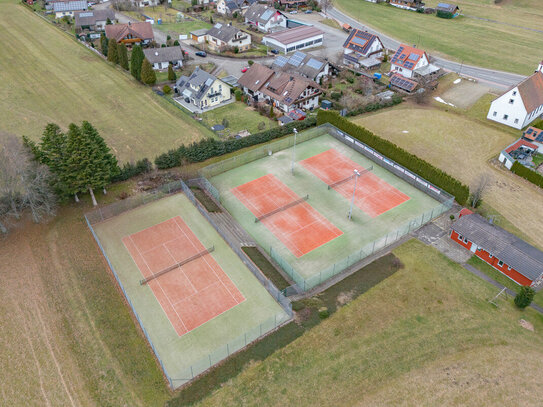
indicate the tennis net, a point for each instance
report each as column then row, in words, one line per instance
column 282, row 208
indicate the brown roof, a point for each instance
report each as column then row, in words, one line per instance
column 295, row 34
column 255, row 77
column 143, row 30
column 531, row 91
column 286, row 87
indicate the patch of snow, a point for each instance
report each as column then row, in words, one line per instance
column 442, row 101
column 405, row 131
column 456, row 82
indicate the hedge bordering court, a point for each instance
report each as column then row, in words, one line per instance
column 528, row 174
column 398, row 154
column 202, row 150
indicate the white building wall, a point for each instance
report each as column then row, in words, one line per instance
column 294, row 46
column 505, row 160
column 509, row 109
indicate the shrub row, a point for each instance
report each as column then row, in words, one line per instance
column 209, row 147
column 444, row 14
column 130, row 170
column 396, row 99
column 398, row 154
column 528, row 174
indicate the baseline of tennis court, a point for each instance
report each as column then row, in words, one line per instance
column 190, row 294
column 373, row 195
column 300, row 227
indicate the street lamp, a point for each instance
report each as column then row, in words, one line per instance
column 356, row 175
column 293, row 151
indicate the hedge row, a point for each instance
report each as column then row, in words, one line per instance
column 528, row 174
column 396, row 99
column 398, row 154
column 210, row 147
column 129, row 170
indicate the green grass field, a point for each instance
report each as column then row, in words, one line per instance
column 240, row 117
column 363, row 232
column 425, row 336
column 462, row 38
column 47, row 77
column 198, row 348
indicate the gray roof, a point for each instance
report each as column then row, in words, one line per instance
column 447, row 7
column 199, row 32
column 260, row 13
column 90, row 17
column 76, row 5
column 223, row 32
column 165, row 54
column 199, row 79
column 510, row 249
column 300, row 62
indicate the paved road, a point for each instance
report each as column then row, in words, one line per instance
column 495, row 78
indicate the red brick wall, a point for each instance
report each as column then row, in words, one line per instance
column 454, row 236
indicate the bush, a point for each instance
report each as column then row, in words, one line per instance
column 176, row 43
column 166, row 89
column 236, row 49
column 250, row 62
column 524, row 297
column 528, row 174
column 323, row 313
column 371, row 107
column 202, row 150
column 238, row 94
column 398, row 154
column 130, row 170
column 444, row 14
column 335, row 96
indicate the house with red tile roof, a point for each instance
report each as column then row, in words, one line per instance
column 362, row 49
column 520, row 105
column 521, row 150
column 131, row 33
column 411, row 62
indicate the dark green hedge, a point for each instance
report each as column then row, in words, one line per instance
column 444, row 14
column 396, row 99
column 398, row 154
column 207, row 148
column 129, row 170
column 526, row 173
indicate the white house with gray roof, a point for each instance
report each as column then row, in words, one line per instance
column 94, row 20
column 266, row 19
column 161, row 58
column 201, row 91
column 68, row 8
column 225, row 36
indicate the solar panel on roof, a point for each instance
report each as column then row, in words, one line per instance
column 359, row 41
column 402, row 56
column 267, row 14
column 209, row 82
column 413, row 57
column 297, row 58
column 529, row 131
column 86, row 14
column 280, row 61
column 313, row 63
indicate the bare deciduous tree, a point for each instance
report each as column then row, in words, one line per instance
column 325, row 5
column 479, row 187
column 24, row 184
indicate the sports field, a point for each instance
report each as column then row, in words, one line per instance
column 314, row 235
column 195, row 299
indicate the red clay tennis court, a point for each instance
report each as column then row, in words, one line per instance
column 189, row 284
column 373, row 195
column 299, row 227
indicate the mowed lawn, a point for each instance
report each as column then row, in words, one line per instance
column 463, row 147
column 48, row 77
column 495, row 45
column 425, row 336
column 239, row 117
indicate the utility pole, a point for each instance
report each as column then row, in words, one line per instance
column 356, row 175
column 293, row 151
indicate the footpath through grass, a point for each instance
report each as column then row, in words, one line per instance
column 461, row 38
column 48, row 77
column 427, row 334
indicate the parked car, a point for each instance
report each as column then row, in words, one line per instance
column 202, row 54
column 275, row 51
column 244, row 69
column 346, row 27
column 308, row 11
column 294, row 12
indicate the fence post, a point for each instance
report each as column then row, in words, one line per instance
column 209, row 355
column 191, row 372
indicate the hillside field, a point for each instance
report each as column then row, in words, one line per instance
column 424, row 336
column 48, row 77
column 508, row 42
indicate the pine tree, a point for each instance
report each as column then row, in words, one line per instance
column 148, row 75
column 123, row 56
column 136, row 61
column 112, row 51
column 171, row 74
column 108, row 21
column 103, row 44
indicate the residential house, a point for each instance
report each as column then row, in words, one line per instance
column 362, row 50
column 199, row 35
column 294, row 39
column 131, row 33
column 534, row 135
column 202, row 90
column 222, row 37
column 68, row 8
column 145, row 3
column 307, row 65
column 93, row 20
column 163, row 57
column 266, row 19
column 411, row 62
column 521, row 151
column 448, row 8
column 520, row 105
column 504, row 251
column 292, row 3
column 229, row 7
column 286, row 91
column 412, row 5
column 403, row 84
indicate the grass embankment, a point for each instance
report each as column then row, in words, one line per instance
column 425, row 336
column 464, row 148
column 461, row 38
column 205, row 200
column 48, row 77
column 267, row 268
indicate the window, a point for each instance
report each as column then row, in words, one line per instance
column 490, row 255
column 515, row 93
column 516, row 121
column 465, row 240
column 494, row 114
column 500, row 263
column 508, row 267
column 511, row 101
column 505, row 116
column 460, row 237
